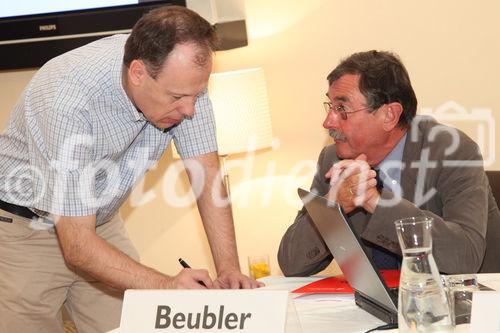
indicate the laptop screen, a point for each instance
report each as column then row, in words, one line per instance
column 345, row 245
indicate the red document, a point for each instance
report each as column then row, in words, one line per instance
column 338, row 284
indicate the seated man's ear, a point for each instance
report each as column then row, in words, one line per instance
column 392, row 113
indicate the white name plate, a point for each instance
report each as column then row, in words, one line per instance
column 247, row 311
column 485, row 314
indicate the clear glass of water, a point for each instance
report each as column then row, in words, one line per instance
column 460, row 289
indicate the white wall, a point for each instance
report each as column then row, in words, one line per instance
column 450, row 48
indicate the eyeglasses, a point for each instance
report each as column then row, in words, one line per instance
column 341, row 109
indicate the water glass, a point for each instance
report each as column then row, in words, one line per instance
column 460, row 289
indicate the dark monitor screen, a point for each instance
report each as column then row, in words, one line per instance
column 34, row 31
column 36, row 7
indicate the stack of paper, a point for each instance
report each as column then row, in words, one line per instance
column 337, row 287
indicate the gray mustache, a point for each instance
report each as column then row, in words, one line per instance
column 336, row 134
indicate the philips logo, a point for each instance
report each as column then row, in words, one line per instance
column 47, row 27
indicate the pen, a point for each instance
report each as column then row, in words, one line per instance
column 183, row 263
column 186, row 265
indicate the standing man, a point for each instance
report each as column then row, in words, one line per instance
column 84, row 131
column 425, row 169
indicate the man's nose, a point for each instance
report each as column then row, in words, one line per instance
column 186, row 107
column 331, row 120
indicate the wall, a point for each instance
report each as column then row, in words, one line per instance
column 451, row 51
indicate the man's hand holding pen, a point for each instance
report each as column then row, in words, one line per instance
column 190, row 278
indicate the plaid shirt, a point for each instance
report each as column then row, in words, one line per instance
column 75, row 144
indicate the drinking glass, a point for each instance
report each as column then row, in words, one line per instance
column 258, row 266
column 460, row 289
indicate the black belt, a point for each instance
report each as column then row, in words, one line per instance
column 18, row 210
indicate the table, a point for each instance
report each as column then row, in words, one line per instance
column 322, row 315
column 325, row 315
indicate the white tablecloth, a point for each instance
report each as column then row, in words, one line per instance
column 311, row 314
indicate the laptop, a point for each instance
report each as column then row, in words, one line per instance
column 370, row 291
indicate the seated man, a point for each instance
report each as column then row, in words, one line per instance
column 423, row 168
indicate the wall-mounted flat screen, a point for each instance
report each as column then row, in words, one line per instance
column 34, row 31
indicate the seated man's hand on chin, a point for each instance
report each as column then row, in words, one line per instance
column 353, row 184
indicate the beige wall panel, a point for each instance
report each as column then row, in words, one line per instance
column 452, row 53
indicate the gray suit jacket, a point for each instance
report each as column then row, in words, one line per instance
column 453, row 189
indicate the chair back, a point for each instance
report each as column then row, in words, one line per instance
column 494, row 178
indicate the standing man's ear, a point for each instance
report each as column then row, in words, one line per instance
column 392, row 113
column 136, row 72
